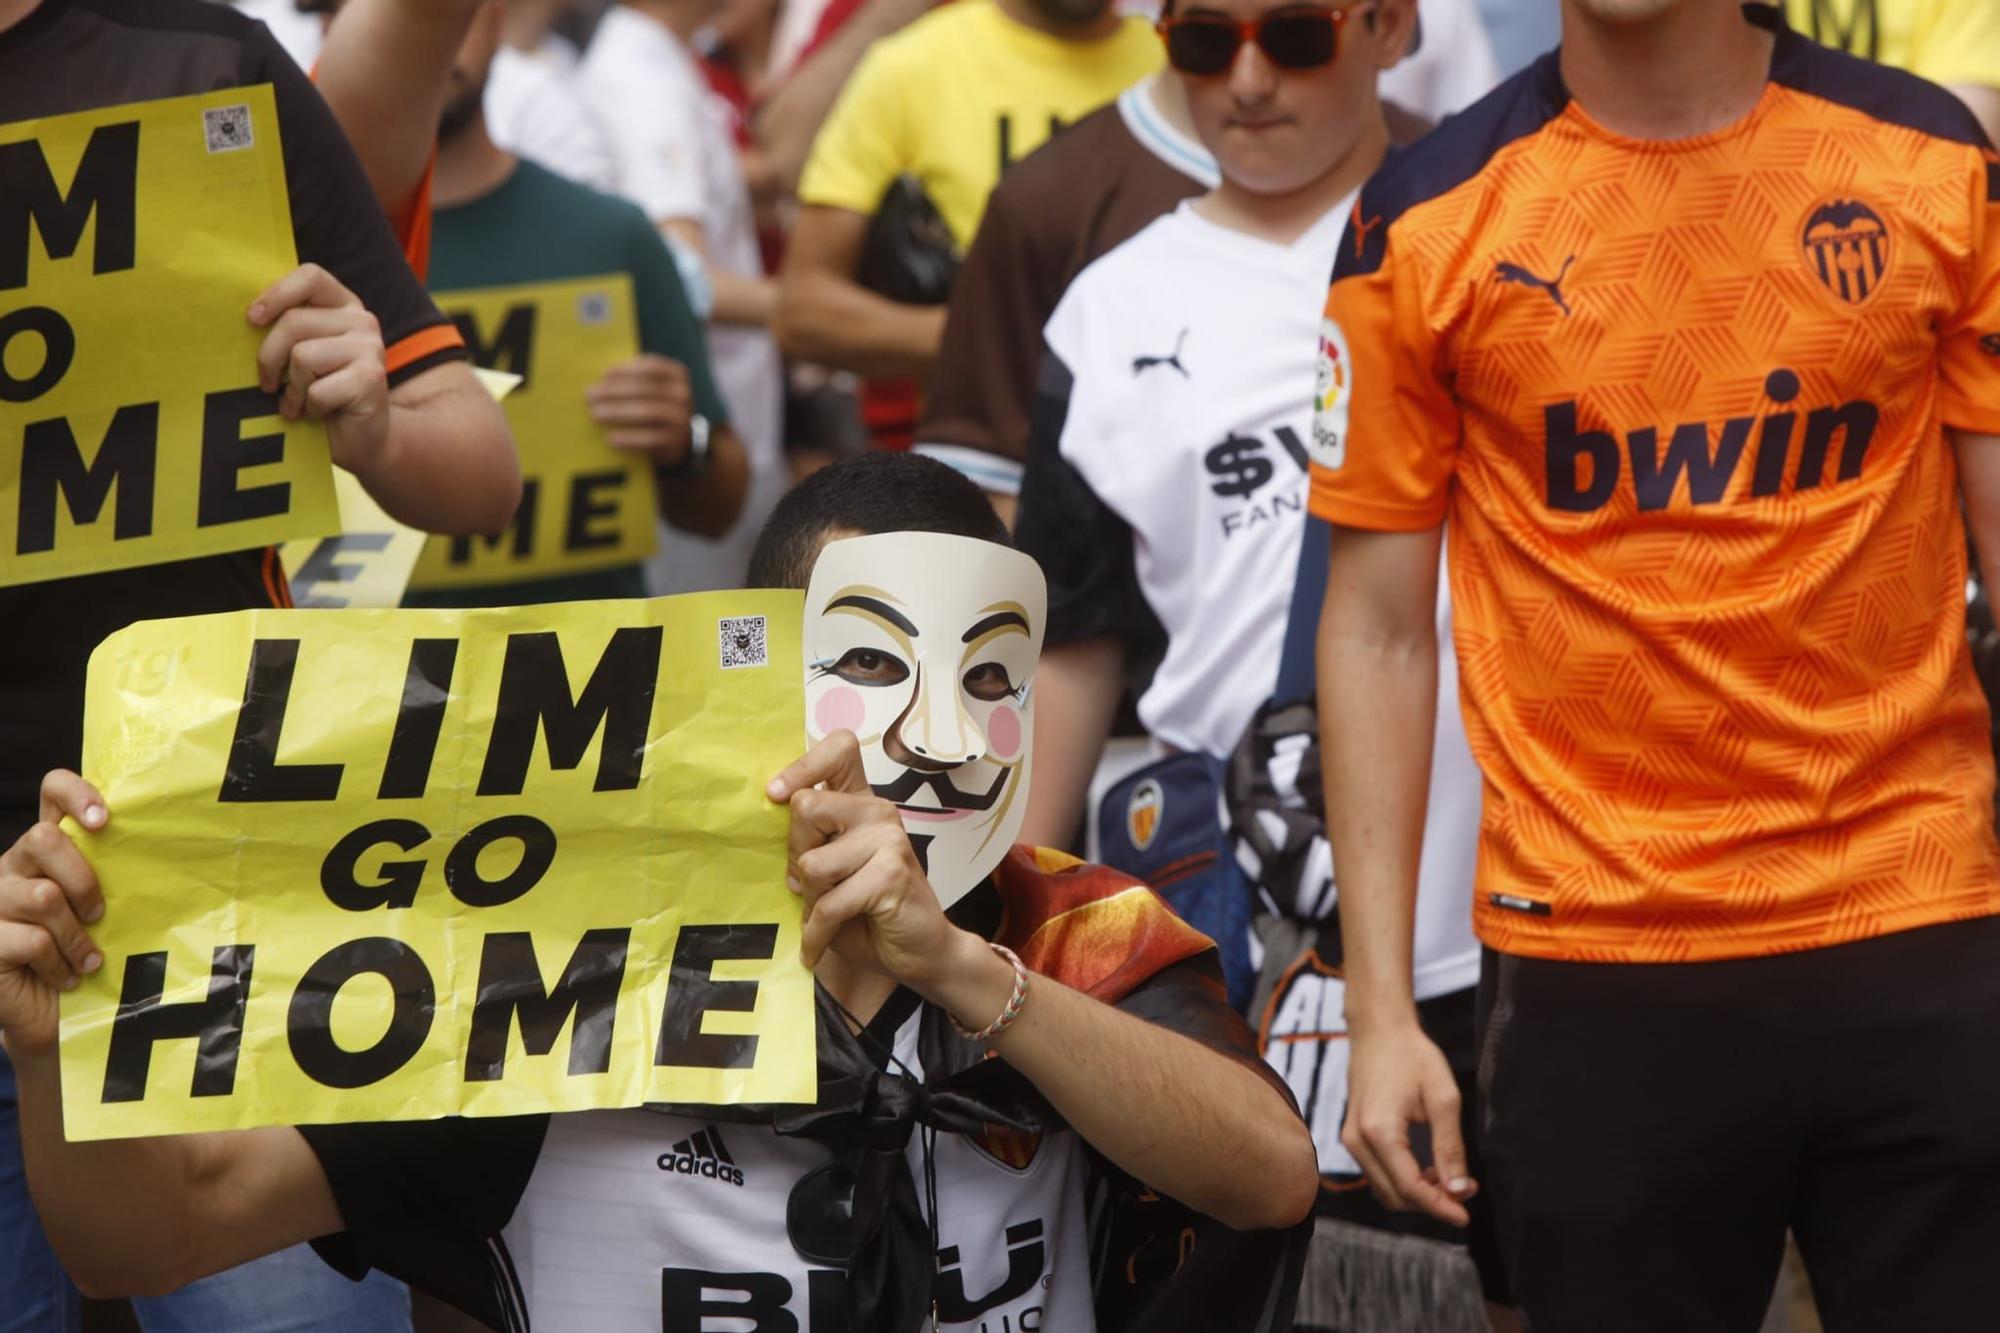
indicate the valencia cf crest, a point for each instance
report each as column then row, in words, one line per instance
column 1142, row 814
column 1014, row 1149
column 1847, row 247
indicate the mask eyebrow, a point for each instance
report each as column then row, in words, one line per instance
column 874, row 607
column 993, row 622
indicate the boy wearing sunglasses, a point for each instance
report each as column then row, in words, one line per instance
column 1164, row 495
column 1688, row 331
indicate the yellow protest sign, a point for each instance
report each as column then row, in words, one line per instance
column 584, row 505
column 132, row 431
column 370, row 865
column 367, row 563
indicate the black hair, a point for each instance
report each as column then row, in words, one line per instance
column 875, row 493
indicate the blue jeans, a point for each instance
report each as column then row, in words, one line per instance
column 36, row 1296
column 291, row 1291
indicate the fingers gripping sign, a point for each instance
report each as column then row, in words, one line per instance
column 48, row 895
column 323, row 356
column 866, row 896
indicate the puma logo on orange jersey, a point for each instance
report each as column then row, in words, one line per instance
column 1362, row 226
column 1551, row 287
column 1578, row 489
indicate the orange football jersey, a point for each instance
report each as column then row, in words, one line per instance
column 1685, row 406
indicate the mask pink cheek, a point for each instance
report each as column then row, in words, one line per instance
column 839, row 709
column 1003, row 732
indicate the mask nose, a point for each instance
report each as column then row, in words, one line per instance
column 937, row 729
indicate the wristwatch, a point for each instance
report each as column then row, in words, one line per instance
column 695, row 462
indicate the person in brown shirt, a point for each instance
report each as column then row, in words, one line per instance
column 1076, row 198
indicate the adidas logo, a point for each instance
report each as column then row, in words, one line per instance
column 702, row 1154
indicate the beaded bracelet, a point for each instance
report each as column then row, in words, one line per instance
column 1015, row 1000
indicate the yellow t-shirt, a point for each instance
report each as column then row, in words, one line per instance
column 1945, row 41
column 957, row 96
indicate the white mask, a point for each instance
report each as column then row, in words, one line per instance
column 925, row 647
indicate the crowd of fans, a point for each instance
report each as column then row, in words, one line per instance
column 1075, row 250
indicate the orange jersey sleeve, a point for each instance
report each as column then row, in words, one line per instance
column 1385, row 423
column 1970, row 356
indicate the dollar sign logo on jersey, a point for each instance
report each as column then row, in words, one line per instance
column 1238, row 465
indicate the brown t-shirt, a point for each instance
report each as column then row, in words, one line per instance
column 1080, row 195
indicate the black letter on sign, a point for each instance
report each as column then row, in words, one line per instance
column 142, row 1020
column 510, row 979
column 225, row 452
column 310, row 1023
column 534, row 690
column 398, row 885
column 106, row 182
column 523, row 528
column 584, row 505
column 754, row 1302
column 512, row 348
column 58, row 350
column 323, row 567
column 51, row 462
column 254, row 773
column 692, row 991
column 461, row 868
column 426, row 690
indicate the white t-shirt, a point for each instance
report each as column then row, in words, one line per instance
column 676, row 160
column 534, row 108
column 1453, row 67
column 635, row 1222
column 1192, row 352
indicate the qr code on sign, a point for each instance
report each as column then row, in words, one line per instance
column 227, row 128
column 742, row 642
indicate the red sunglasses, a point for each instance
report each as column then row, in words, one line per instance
column 1295, row 37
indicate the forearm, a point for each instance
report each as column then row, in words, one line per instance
column 383, row 71
column 449, row 464
column 1076, row 695
column 834, row 321
column 742, row 300
column 127, row 1216
column 708, row 505
column 1377, row 718
column 1157, row 1104
column 1979, row 482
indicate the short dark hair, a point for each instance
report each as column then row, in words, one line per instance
column 877, row 492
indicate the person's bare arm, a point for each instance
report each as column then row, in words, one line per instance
column 708, row 505
column 1076, row 702
column 127, row 1217
column 1378, row 674
column 1186, row 1120
column 434, row 451
column 1984, row 102
column 825, row 316
column 383, row 71
column 740, row 298
column 788, row 121
column 1979, row 479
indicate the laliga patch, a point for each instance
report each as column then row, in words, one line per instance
column 1142, row 814
column 1333, row 393
column 1847, row 247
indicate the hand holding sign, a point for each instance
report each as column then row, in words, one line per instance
column 324, row 358
column 47, row 893
column 646, row 405
column 867, row 899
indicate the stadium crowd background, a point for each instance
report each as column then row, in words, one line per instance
column 847, row 235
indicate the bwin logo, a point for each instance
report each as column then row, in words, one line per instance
column 702, row 1154
column 1583, row 466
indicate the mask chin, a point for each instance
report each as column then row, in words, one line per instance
column 932, row 639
